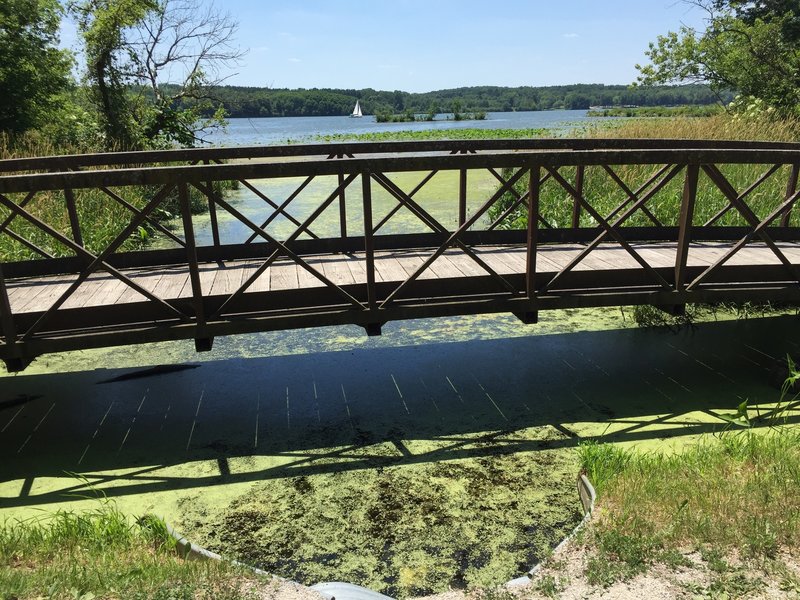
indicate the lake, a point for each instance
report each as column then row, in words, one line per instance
column 280, row 130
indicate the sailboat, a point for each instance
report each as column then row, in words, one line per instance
column 357, row 111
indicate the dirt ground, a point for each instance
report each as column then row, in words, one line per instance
column 563, row 577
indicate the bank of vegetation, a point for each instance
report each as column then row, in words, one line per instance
column 725, row 505
column 102, row 553
column 705, row 110
column 277, row 102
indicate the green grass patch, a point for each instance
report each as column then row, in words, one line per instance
column 734, row 492
column 435, row 134
column 103, row 554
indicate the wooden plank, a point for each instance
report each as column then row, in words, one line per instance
column 498, row 259
column 171, row 285
column 207, row 273
column 110, row 293
column 443, row 268
column 336, row 269
column 467, row 265
column 389, row 268
column 262, row 284
column 792, row 252
column 23, row 293
column 86, row 292
column 283, row 276
column 411, row 261
column 48, row 295
column 305, row 279
column 228, row 279
column 357, row 264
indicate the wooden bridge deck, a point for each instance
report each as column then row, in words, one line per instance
column 221, row 279
column 636, row 235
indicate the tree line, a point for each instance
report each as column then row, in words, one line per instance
column 254, row 102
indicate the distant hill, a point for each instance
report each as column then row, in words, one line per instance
column 266, row 102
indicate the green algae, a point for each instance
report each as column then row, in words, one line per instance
column 404, row 530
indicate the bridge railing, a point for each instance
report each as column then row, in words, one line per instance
column 273, row 205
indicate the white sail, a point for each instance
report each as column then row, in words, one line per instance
column 357, row 110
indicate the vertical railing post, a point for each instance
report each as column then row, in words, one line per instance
column 373, row 328
column 212, row 209
column 685, row 225
column 576, row 205
column 531, row 314
column 7, row 329
column 202, row 342
column 72, row 212
column 791, row 190
column 462, row 197
column 342, row 206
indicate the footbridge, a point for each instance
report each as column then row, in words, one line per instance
column 127, row 248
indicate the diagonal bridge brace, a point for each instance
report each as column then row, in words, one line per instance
column 610, row 229
column 753, row 187
column 5, row 227
column 279, row 209
column 633, row 196
column 437, row 227
column 282, row 247
column 519, row 199
column 96, row 261
column 758, row 226
column 400, row 205
column 454, row 237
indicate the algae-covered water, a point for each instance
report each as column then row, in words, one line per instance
column 407, row 530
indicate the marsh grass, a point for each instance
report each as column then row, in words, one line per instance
column 101, row 553
column 101, row 218
column 605, row 195
column 735, row 492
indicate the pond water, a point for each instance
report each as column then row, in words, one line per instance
column 281, row 130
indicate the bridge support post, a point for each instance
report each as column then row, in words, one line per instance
column 462, row 197
column 8, row 330
column 212, row 210
column 791, row 190
column 684, row 235
column 17, row 365
column 203, row 344
column 580, row 172
column 72, row 212
column 373, row 329
column 528, row 317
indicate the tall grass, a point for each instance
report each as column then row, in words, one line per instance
column 735, row 492
column 101, row 218
column 605, row 195
column 102, row 554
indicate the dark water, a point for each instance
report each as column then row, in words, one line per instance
column 277, row 130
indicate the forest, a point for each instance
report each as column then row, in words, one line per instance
column 265, row 102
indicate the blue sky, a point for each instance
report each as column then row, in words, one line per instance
column 423, row 45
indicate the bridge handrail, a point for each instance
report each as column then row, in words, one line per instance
column 345, row 149
column 158, row 175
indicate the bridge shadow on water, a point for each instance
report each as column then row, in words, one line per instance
column 125, row 432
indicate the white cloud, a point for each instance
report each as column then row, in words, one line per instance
column 570, row 35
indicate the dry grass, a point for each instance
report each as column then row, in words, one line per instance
column 718, row 127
